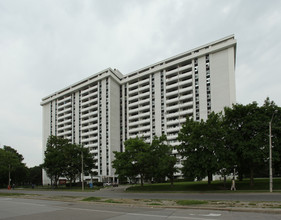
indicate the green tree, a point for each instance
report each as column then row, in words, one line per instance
column 247, row 128
column 11, row 165
column 202, row 147
column 162, row 160
column 273, row 112
column 73, row 161
column 134, row 161
column 35, row 175
column 63, row 159
column 54, row 158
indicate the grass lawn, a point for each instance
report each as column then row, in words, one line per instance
column 261, row 184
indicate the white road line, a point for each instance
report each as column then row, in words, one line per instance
column 121, row 213
column 212, row 215
column 140, row 214
column 164, row 216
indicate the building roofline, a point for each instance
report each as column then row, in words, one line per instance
column 118, row 76
column 170, row 59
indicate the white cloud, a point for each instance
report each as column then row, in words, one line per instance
column 47, row 45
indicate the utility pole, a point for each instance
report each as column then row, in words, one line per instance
column 270, row 154
column 270, row 159
column 9, row 181
column 82, row 171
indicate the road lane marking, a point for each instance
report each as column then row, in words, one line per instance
column 212, row 215
column 190, row 217
column 140, row 214
column 165, row 216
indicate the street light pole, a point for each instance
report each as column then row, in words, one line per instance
column 82, row 169
column 270, row 154
column 270, row 158
column 9, row 181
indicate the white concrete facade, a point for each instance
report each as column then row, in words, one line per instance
column 105, row 109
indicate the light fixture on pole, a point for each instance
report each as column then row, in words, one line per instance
column 270, row 154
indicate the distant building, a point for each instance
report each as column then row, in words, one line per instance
column 107, row 108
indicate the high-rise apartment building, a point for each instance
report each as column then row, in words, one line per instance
column 107, row 108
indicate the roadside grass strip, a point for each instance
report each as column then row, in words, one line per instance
column 11, row 194
column 92, row 199
column 191, row 202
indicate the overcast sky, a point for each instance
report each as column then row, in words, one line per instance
column 48, row 45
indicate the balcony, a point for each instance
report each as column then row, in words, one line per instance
column 186, row 105
column 168, row 94
column 145, row 134
column 133, row 104
column 65, row 133
column 133, row 110
column 187, row 74
column 144, row 121
column 94, row 151
column 189, row 81
column 187, row 89
column 133, row 136
column 144, row 101
column 133, row 85
column 64, row 100
column 65, row 105
column 178, row 69
column 90, row 95
column 142, row 108
column 134, row 117
column 174, row 78
column 172, row 122
column 133, row 97
column 169, row 101
column 184, row 97
column 65, row 116
column 133, row 92
column 134, row 130
column 94, row 147
column 89, row 127
column 172, row 115
column 144, row 88
column 64, row 111
column 172, row 107
column 172, row 137
column 89, row 102
column 89, row 120
column 186, row 112
column 142, row 95
column 92, row 113
column 142, row 128
column 89, row 89
column 133, row 123
column 143, row 81
column 90, row 139
column 89, row 133
column 174, row 85
column 144, row 114
column 90, row 107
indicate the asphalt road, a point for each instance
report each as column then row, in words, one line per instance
column 118, row 192
column 26, row 209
